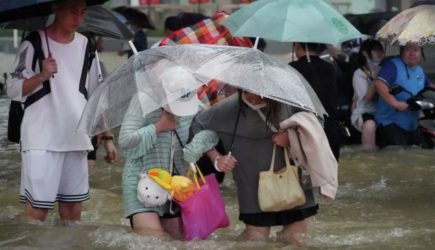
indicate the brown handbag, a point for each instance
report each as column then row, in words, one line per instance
column 279, row 191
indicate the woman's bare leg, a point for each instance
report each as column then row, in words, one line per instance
column 368, row 135
column 148, row 224
column 294, row 233
column 255, row 233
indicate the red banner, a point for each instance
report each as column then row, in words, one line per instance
column 145, row 2
column 199, row 1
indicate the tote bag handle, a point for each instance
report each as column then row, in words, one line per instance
column 286, row 156
column 195, row 171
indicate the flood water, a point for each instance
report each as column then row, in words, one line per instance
column 386, row 200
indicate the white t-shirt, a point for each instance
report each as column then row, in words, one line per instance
column 361, row 83
column 50, row 123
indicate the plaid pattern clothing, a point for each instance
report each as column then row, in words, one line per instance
column 207, row 31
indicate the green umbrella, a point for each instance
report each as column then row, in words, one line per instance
column 292, row 21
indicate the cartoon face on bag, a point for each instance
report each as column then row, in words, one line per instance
column 150, row 193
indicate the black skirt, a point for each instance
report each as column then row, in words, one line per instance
column 281, row 218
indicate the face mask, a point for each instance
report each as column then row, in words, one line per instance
column 375, row 63
column 252, row 106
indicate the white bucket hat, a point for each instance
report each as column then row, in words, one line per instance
column 177, row 84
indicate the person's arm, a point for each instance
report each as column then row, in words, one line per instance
column 383, row 91
column 24, row 80
column 204, row 141
column 359, row 84
column 135, row 137
column 281, row 139
column 49, row 67
column 222, row 163
column 107, row 139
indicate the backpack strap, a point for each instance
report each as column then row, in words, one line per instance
column 87, row 63
column 35, row 39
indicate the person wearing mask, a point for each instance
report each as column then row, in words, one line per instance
column 155, row 140
column 364, row 102
column 54, row 164
column 396, row 123
column 248, row 139
column 322, row 76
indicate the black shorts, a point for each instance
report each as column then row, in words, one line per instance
column 92, row 155
column 278, row 218
column 366, row 117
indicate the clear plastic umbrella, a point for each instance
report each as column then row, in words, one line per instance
column 141, row 76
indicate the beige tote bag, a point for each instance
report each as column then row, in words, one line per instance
column 278, row 191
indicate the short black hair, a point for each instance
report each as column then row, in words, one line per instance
column 368, row 46
column 173, row 23
column 313, row 47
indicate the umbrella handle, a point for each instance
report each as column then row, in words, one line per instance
column 100, row 74
column 133, row 48
column 257, row 39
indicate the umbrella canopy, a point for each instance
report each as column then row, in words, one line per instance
column 14, row 10
column 292, row 21
column 141, row 77
column 136, row 17
column 98, row 21
column 207, row 31
column 414, row 25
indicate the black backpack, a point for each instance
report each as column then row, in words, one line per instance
column 16, row 110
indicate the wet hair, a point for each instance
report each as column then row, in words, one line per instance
column 368, row 46
column 173, row 23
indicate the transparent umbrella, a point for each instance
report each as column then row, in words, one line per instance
column 141, row 76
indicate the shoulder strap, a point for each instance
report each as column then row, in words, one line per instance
column 87, row 62
column 35, row 39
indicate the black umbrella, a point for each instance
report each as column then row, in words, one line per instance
column 19, row 9
column 136, row 17
column 370, row 23
column 98, row 21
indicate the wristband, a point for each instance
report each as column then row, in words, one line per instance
column 215, row 163
column 107, row 137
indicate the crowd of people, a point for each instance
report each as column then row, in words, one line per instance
column 54, row 162
column 377, row 116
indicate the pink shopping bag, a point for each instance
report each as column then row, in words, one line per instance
column 204, row 211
